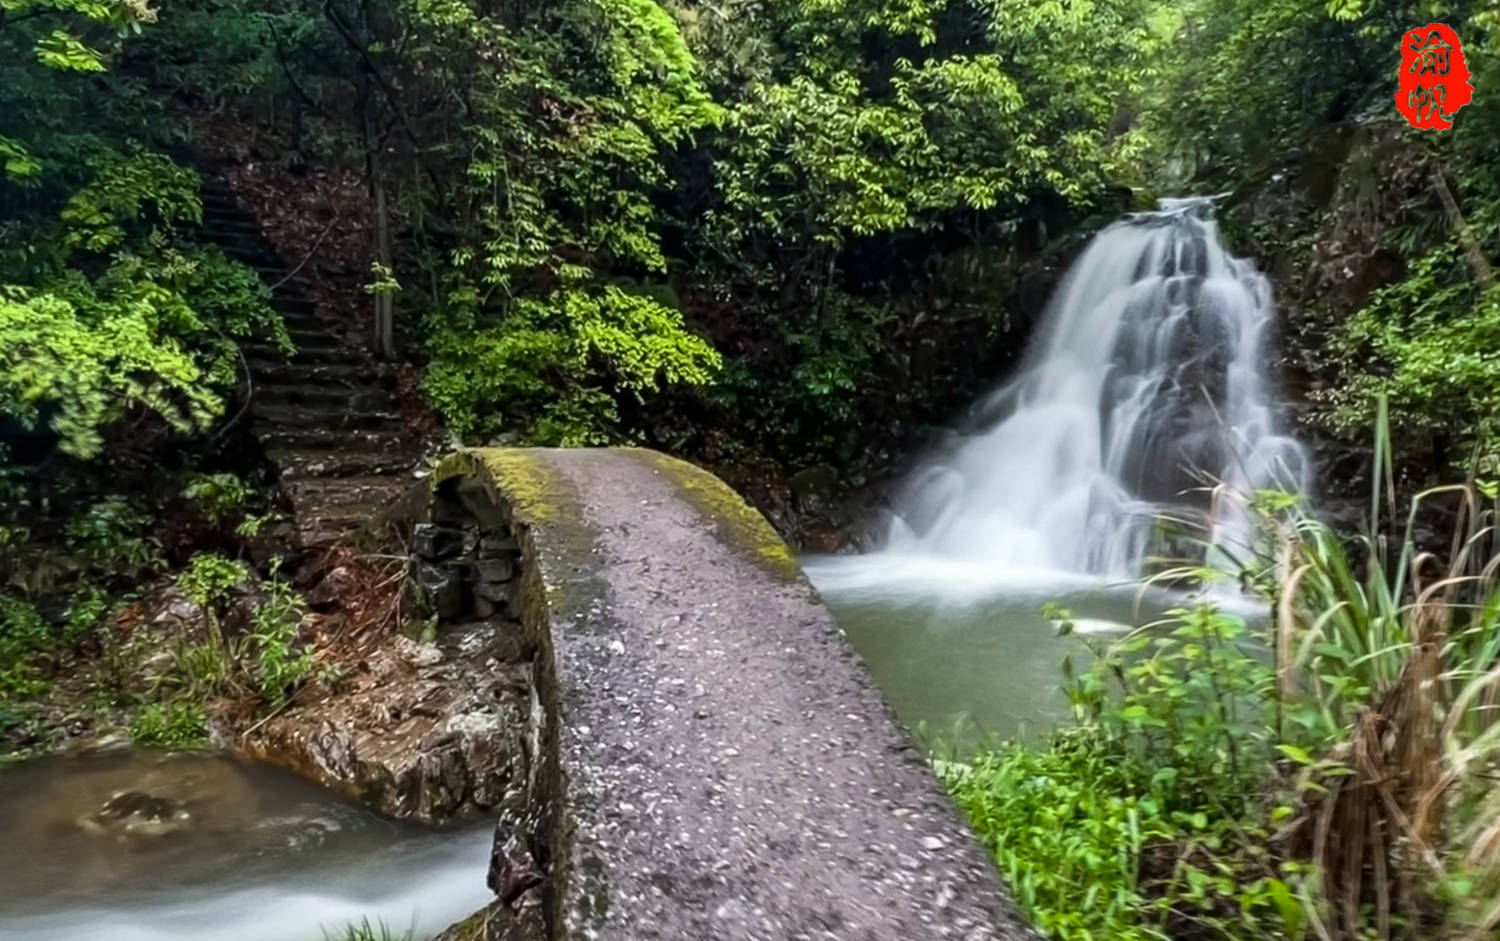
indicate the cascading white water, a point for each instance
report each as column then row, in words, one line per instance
column 1148, row 376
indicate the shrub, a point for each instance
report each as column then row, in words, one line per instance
column 552, row 368
column 282, row 663
column 1145, row 816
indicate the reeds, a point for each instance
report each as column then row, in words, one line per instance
column 1388, row 659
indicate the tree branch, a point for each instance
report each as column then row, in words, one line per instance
column 287, row 69
column 386, row 89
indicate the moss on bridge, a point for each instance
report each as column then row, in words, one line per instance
column 521, row 477
column 737, row 523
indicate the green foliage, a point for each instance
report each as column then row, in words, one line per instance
column 217, row 496
column 105, row 308
column 174, row 724
column 23, row 634
column 282, row 664
column 1223, row 785
column 1424, row 343
column 209, row 577
column 1143, row 817
column 558, row 363
column 268, row 660
column 846, row 146
column 113, row 537
column 30, row 646
column 91, row 374
column 1248, row 78
column 747, row 145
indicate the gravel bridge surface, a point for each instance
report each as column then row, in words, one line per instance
column 729, row 769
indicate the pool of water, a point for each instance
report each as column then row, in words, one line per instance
column 963, row 652
column 149, row 847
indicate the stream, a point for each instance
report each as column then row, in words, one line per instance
column 138, row 846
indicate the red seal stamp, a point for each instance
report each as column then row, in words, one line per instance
column 1434, row 81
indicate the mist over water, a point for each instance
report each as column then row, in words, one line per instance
column 1146, row 385
column 1148, row 379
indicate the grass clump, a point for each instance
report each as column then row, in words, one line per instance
column 365, row 930
column 267, row 661
column 177, row 724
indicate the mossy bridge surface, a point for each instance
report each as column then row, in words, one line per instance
column 707, row 757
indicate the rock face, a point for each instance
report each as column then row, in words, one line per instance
column 709, row 758
column 431, row 731
column 427, row 731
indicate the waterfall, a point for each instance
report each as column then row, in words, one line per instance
column 1147, row 379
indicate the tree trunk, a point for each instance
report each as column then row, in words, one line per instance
column 385, row 302
column 1479, row 265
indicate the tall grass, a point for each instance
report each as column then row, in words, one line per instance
column 1388, row 654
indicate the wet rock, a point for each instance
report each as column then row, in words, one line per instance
column 468, row 563
column 174, row 609
column 338, row 584
column 443, row 585
column 431, row 541
column 428, row 731
column 240, row 609
column 137, row 812
column 496, row 544
column 491, row 571
column 814, row 489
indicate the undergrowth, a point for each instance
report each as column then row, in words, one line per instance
column 1326, row 775
column 81, row 642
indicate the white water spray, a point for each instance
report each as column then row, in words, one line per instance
column 1148, row 378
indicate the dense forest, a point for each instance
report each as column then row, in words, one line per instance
column 789, row 241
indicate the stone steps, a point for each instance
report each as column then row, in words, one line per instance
column 323, row 373
column 352, row 398
column 326, row 346
column 303, row 323
column 264, row 354
column 309, row 335
column 322, row 526
column 327, row 416
column 333, row 419
column 344, row 491
column 337, row 463
column 294, row 304
column 291, row 439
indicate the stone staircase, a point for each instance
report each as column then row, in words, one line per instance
column 327, row 416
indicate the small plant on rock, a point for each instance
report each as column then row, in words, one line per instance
column 282, row 663
column 217, row 496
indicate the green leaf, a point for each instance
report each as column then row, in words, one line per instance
column 1298, row 755
column 61, row 50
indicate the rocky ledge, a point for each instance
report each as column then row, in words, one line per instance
column 430, row 731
